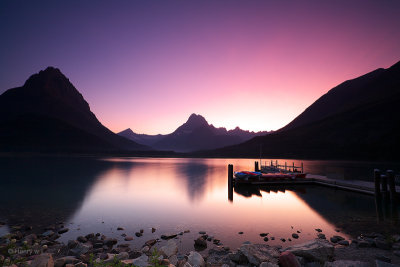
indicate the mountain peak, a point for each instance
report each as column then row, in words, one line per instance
column 196, row 120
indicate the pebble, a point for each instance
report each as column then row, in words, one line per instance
column 202, row 232
column 240, row 233
column 128, row 238
column 266, row 239
column 138, row 234
column 263, row 234
column 321, row 236
column 120, row 229
column 153, row 229
column 283, row 239
column 318, row 230
column 343, row 242
column 295, row 235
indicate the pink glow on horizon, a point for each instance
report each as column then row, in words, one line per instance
column 256, row 65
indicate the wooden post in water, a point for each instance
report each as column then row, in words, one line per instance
column 302, row 169
column 256, row 166
column 285, row 166
column 377, row 179
column 392, row 185
column 384, row 184
column 230, row 182
column 293, row 167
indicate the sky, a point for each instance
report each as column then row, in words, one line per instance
column 148, row 65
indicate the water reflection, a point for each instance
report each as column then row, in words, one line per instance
column 172, row 195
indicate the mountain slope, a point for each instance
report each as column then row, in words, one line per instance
column 49, row 99
column 194, row 134
column 357, row 119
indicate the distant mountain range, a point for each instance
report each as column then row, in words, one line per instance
column 357, row 119
column 194, row 134
column 48, row 113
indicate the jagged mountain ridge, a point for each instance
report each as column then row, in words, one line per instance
column 194, row 134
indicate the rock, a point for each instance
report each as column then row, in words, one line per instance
column 200, row 243
column 80, row 264
column 379, row 263
column 80, row 249
column 141, row 231
column 173, row 260
column 90, row 236
column 153, row 229
column 138, row 234
column 195, row 259
column 165, row 262
column 263, row 234
column 318, row 230
column 30, row 238
column 150, row 242
column 168, row 236
column 295, row 235
column 169, row 249
column 397, row 253
column 122, row 256
column 343, row 242
column 60, row 262
column 145, row 249
column 334, row 239
column 186, row 231
column 338, row 237
column 382, row 244
column 383, row 258
column 110, row 242
column 266, row 239
column 72, row 244
column 48, row 233
column 120, row 229
column 141, row 261
column 321, row 236
column 82, row 239
column 288, row 259
column 272, row 238
column 346, row 263
column 283, row 239
column 240, row 233
column 268, row 264
column 134, row 254
column 43, row 260
column 63, row 230
column 128, row 238
column 128, row 262
column 218, row 256
column 202, row 232
column 98, row 245
column 314, row 250
column 364, row 244
column 258, row 253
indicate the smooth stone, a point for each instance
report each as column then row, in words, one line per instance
column 383, row 258
column 145, row 249
column 110, row 241
column 321, row 236
column 318, row 230
column 240, row 233
column 363, row 244
column 264, row 234
column 134, row 254
column 295, row 235
column 379, row 263
column 141, row 261
column 344, row 242
column 48, row 233
column 258, row 253
column 171, row 248
column 120, row 229
column 72, row 243
column 283, row 239
column 60, row 262
column 43, row 260
column 218, row 256
column 288, row 259
column 268, row 264
column 195, row 259
column 334, row 239
column 202, row 232
column 138, row 234
column 82, row 239
column 382, row 244
column 150, row 242
column 63, row 230
column 173, row 259
column 200, row 242
column 338, row 237
column 122, row 256
column 128, row 238
column 80, row 249
column 346, row 263
column 153, row 229
column 168, row 236
column 314, row 250
column 266, row 239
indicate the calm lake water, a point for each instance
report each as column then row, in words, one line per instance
column 173, row 195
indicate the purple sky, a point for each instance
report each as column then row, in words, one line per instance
column 148, row 65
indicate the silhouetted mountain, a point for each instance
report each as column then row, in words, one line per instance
column 193, row 135
column 357, row 119
column 48, row 113
column 143, row 139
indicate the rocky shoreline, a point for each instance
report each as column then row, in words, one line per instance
column 24, row 246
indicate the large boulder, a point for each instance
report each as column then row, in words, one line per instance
column 43, row 260
column 141, row 261
column 60, row 262
column 288, row 259
column 314, row 250
column 258, row 253
column 218, row 256
column 169, row 249
column 346, row 263
column 195, row 259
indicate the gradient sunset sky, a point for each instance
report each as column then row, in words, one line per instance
column 148, row 65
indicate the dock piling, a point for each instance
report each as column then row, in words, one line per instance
column 392, row 185
column 256, row 166
column 377, row 179
column 230, row 182
column 384, row 184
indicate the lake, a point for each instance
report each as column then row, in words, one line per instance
column 174, row 195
